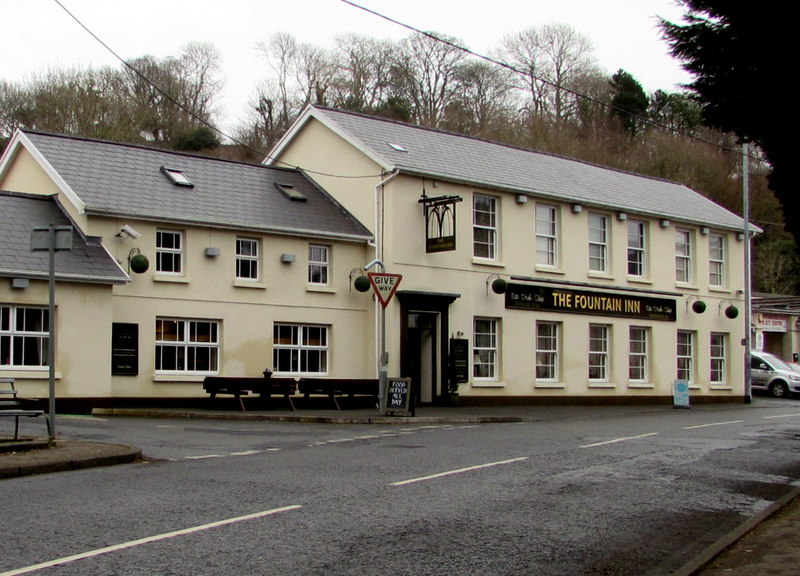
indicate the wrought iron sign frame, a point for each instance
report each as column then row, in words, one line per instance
column 439, row 211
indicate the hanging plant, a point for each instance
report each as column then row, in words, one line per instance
column 499, row 286
column 138, row 262
column 362, row 284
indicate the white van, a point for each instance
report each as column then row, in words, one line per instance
column 770, row 373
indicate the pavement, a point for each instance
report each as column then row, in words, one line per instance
column 762, row 545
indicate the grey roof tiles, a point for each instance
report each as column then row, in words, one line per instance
column 481, row 163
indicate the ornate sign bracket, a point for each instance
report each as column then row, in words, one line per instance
column 440, row 222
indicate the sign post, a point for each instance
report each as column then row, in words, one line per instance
column 51, row 238
column 384, row 285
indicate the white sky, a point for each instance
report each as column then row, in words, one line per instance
column 38, row 34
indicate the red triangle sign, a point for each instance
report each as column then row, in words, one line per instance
column 385, row 285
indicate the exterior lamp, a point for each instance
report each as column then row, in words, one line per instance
column 698, row 306
column 499, row 285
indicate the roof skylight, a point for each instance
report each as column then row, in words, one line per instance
column 289, row 191
column 397, row 147
column 177, row 177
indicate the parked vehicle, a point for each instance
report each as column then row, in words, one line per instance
column 770, row 373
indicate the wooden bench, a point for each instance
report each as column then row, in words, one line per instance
column 243, row 386
column 12, row 406
column 333, row 387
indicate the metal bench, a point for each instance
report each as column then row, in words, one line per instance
column 12, row 405
column 333, row 387
column 243, row 386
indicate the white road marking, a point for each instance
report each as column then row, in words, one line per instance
column 782, row 416
column 615, row 440
column 713, row 424
column 246, row 453
column 457, row 471
column 204, row 457
column 147, row 540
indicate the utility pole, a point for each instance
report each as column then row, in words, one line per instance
column 748, row 392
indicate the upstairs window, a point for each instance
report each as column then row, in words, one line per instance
column 546, row 235
column 636, row 248
column 484, row 227
column 683, row 256
column 247, row 258
column 598, row 243
column 169, row 252
column 716, row 260
column 319, row 261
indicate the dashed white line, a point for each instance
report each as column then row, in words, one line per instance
column 147, row 540
column 615, row 440
column 782, row 416
column 457, row 471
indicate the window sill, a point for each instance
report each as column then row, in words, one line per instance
column 721, row 387
column 23, row 374
column 607, row 385
column 249, row 284
column 178, row 378
column 639, row 280
column 685, row 286
column 488, row 262
column 641, row 385
column 488, row 384
column 601, row 275
column 719, row 289
column 321, row 289
column 548, row 270
column 551, row 385
column 171, row 279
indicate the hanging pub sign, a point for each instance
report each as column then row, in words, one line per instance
column 555, row 299
column 440, row 222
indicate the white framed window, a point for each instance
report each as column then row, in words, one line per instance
column 485, row 351
column 187, row 346
column 716, row 260
column 717, row 357
column 637, row 249
column 598, row 243
column 547, row 351
column 24, row 336
column 484, row 227
column 248, row 256
column 599, row 342
column 319, row 263
column 300, row 349
column 637, row 353
column 683, row 256
column 546, row 235
column 685, row 356
column 169, row 252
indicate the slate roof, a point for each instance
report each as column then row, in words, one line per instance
column 125, row 180
column 458, row 158
column 88, row 261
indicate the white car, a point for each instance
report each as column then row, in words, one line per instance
column 770, row 373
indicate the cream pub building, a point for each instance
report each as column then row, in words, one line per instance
column 528, row 277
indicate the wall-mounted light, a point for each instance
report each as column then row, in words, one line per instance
column 740, row 236
column 730, row 311
column 704, row 230
column 499, row 284
column 622, row 216
column 287, row 258
column 211, row 251
column 664, row 223
column 20, row 283
column 577, row 208
column 698, row 306
column 522, row 199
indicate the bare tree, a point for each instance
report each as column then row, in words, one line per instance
column 424, row 76
column 482, row 101
column 364, row 72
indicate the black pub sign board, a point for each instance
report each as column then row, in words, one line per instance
column 556, row 299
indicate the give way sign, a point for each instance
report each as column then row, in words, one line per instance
column 385, row 285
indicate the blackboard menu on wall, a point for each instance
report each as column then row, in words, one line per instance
column 398, row 396
column 459, row 359
column 124, row 349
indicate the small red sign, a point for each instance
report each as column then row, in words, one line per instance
column 385, row 285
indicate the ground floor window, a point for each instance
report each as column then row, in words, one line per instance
column 187, row 346
column 484, row 349
column 599, row 352
column 547, row 351
column 717, row 355
column 300, row 349
column 24, row 336
column 637, row 354
column 685, row 356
